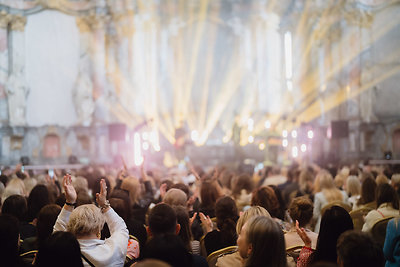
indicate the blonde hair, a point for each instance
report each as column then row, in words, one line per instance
column 353, row 186
column 381, row 179
column 84, row 220
column 80, row 183
column 14, row 187
column 132, row 185
column 340, row 180
column 175, row 197
column 251, row 212
column 395, row 179
column 327, row 187
column 305, row 177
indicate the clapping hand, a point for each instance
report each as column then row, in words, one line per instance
column 70, row 193
column 303, row 235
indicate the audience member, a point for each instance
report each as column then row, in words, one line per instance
column 391, row 248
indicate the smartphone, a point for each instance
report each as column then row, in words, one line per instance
column 22, row 169
column 51, row 173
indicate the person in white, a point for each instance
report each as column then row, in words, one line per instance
column 86, row 222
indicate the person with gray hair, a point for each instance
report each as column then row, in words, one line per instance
column 86, row 222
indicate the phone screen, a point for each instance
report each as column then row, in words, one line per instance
column 51, row 173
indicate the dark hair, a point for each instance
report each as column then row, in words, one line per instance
column 301, row 209
column 227, row 216
column 123, row 195
column 185, row 232
column 209, row 193
column 120, row 207
column 358, row 249
column 265, row 197
column 368, row 188
column 4, row 179
column 15, row 205
column 9, row 236
column 46, row 219
column 261, row 233
column 60, row 249
column 386, row 194
column 334, row 222
column 162, row 219
column 38, row 198
column 168, row 248
column 243, row 181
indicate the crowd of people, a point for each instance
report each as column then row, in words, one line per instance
column 302, row 216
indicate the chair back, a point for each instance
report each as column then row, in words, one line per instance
column 335, row 203
column 28, row 257
column 378, row 230
column 212, row 258
column 358, row 217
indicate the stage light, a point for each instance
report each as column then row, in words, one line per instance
column 194, row 135
column 157, row 148
column 289, row 85
column 285, row 142
column 295, row 152
column 138, row 159
column 145, row 135
column 250, row 124
column 294, row 134
column 251, row 139
column 285, row 133
column 310, row 134
column 145, row 146
column 267, row 124
column 225, row 139
column 288, row 55
column 303, row 148
column 261, row 146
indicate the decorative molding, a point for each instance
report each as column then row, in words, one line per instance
column 18, row 23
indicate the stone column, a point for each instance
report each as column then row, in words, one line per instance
column 4, row 68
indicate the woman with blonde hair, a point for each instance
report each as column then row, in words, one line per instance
column 353, row 189
column 326, row 192
column 14, row 187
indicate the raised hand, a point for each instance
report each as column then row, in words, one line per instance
column 101, row 198
column 303, row 235
column 206, row 222
column 70, row 193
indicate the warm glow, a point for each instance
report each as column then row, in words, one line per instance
column 267, row 124
column 285, row 133
column 294, row 134
column 285, row 142
column 261, row 146
column 310, row 134
column 303, row 148
column 251, row 139
column 295, row 152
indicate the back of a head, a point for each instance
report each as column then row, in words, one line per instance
column 386, row 194
column 132, row 185
column 368, row 191
column 301, row 209
column 227, row 216
column 395, row 181
column 15, row 205
column 209, row 193
column 266, row 198
column 353, row 186
column 381, row 179
column 162, row 219
column 85, row 220
column 38, row 198
column 45, row 222
column 335, row 221
column 9, row 236
column 175, row 197
column 60, row 249
column 168, row 248
column 243, row 181
column 185, row 232
column 358, row 249
column 261, row 233
column 253, row 211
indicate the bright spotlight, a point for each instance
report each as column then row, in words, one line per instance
column 145, row 135
column 250, row 124
column 310, row 134
column 225, row 139
column 145, row 146
column 285, row 133
column 303, row 148
column 157, row 148
column 261, row 146
column 294, row 134
column 295, row 152
column 194, row 135
column 251, row 139
column 267, row 124
column 285, row 142
column 137, row 149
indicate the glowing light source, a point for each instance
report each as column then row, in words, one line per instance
column 289, row 85
column 251, row 139
column 225, row 139
column 138, row 159
column 285, row 133
column 157, row 148
column 288, row 55
column 261, row 146
column 295, row 152
column 250, row 124
column 194, row 135
column 310, row 134
column 267, row 124
column 294, row 134
column 285, row 142
column 145, row 135
column 145, row 146
column 303, row 148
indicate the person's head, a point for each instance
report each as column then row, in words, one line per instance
column 368, row 190
column 14, row 187
column 152, row 263
column 253, row 211
column 306, row 181
column 210, row 191
column 266, row 198
column 120, row 207
column 162, row 220
column 132, row 185
column 86, row 220
column 242, row 182
column 60, row 249
column 325, row 181
column 395, row 181
column 339, row 180
column 386, row 194
column 29, row 183
column 38, row 198
column 46, row 219
column 335, row 221
column 124, row 196
column 82, row 197
column 15, row 205
column 175, row 197
column 301, row 210
column 168, row 248
column 358, row 249
column 9, row 236
column 353, row 186
column 185, row 232
column 182, row 187
column 80, row 183
column 381, row 179
column 255, row 239
column 227, row 214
